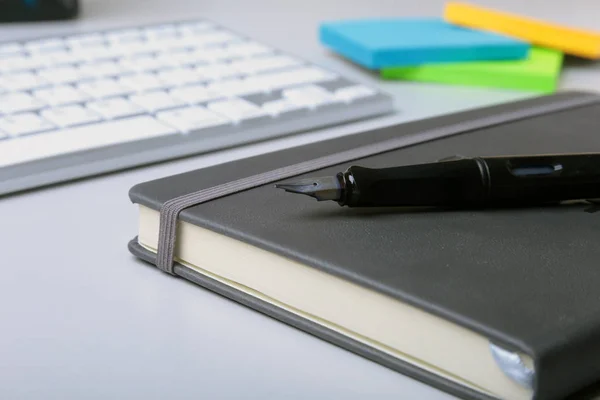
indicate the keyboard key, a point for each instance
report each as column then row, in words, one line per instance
column 62, row 58
column 70, row 116
column 161, row 31
column 60, row 75
column 61, row 95
column 115, row 108
column 145, row 63
column 199, row 57
column 186, row 58
column 97, row 53
column 19, row 102
column 142, row 82
column 237, row 87
column 125, row 35
column 192, row 118
column 264, row 64
column 70, row 140
column 351, row 93
column 236, row 109
column 336, row 84
column 173, row 44
column 101, row 69
column 11, row 49
column 21, row 63
column 281, row 106
column 194, row 28
column 179, row 76
column 133, row 49
column 309, row 96
column 165, row 61
column 217, row 55
column 92, row 39
column 156, row 101
column 22, row 81
column 45, row 45
column 249, row 49
column 196, row 94
column 103, row 88
column 298, row 76
column 215, row 38
column 216, row 72
column 22, row 124
column 263, row 97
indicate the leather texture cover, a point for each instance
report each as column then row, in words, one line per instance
column 526, row 278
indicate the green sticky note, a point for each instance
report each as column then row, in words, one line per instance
column 539, row 72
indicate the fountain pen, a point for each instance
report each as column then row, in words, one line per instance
column 461, row 182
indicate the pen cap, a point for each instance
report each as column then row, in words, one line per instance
column 544, row 178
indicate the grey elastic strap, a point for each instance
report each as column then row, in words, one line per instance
column 170, row 210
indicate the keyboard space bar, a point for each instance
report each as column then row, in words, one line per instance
column 81, row 138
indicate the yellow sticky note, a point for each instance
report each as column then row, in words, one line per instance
column 569, row 40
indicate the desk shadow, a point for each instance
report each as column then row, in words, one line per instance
column 377, row 212
column 573, row 61
column 367, row 212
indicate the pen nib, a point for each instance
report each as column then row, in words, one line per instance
column 324, row 188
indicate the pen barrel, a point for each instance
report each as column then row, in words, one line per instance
column 451, row 183
column 544, row 178
column 491, row 181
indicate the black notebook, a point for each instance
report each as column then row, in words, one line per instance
column 483, row 304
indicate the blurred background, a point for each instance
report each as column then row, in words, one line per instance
column 293, row 26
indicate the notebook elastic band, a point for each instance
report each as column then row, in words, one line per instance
column 171, row 209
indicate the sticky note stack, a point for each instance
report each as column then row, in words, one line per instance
column 573, row 41
column 470, row 45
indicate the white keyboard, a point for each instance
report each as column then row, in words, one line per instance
column 75, row 106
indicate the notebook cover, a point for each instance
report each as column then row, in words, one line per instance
column 570, row 40
column 500, row 273
column 391, row 42
column 539, row 72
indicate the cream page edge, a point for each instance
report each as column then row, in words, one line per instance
column 429, row 350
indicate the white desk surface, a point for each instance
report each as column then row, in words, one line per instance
column 80, row 318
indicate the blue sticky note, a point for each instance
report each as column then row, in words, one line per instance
column 394, row 42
